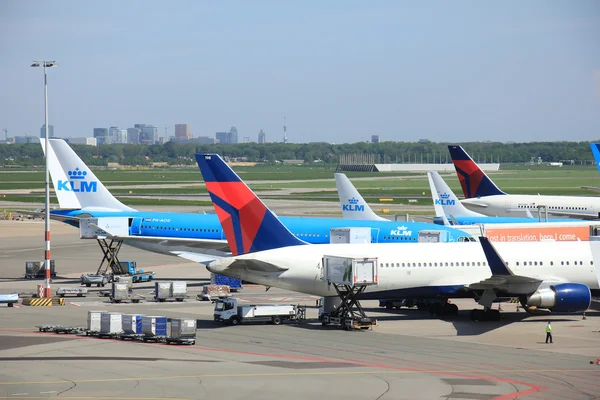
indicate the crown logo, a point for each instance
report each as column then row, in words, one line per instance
column 353, row 200
column 77, row 174
column 444, row 196
column 402, row 228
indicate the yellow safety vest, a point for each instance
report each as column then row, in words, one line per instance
column 548, row 329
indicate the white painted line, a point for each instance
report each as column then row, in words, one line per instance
column 54, row 391
column 19, row 394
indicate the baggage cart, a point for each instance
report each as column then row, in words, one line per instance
column 66, row 291
column 181, row 331
column 154, row 328
column 9, row 299
column 37, row 269
column 91, row 279
column 210, row 292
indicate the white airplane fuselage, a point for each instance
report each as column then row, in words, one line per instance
column 515, row 205
column 416, row 265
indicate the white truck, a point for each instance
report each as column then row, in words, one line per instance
column 229, row 311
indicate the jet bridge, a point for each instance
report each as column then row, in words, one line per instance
column 103, row 231
column 350, row 277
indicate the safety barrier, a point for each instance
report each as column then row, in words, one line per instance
column 43, row 302
column 514, row 300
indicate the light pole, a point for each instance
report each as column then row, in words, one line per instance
column 47, row 290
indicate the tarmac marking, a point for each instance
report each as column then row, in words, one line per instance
column 90, row 397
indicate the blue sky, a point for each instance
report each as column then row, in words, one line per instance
column 338, row 70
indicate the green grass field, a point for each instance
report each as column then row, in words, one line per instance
column 308, row 183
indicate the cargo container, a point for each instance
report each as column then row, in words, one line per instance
column 350, row 271
column 111, row 323
column 350, row 235
column 37, row 269
column 154, row 326
column 234, row 284
column 121, row 292
column 162, row 291
column 181, row 330
column 210, row 292
column 178, row 290
column 9, row 299
column 93, row 321
column 132, row 323
column 229, row 311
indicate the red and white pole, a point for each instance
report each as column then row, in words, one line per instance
column 47, row 290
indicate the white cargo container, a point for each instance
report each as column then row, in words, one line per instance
column 179, row 290
column 162, row 290
column 111, row 322
column 119, row 291
column 179, row 328
column 228, row 310
column 350, row 271
column 350, row 235
column 93, row 320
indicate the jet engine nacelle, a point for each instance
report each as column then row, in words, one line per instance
column 566, row 297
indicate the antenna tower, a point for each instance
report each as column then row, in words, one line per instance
column 284, row 131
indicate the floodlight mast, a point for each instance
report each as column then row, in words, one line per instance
column 47, row 290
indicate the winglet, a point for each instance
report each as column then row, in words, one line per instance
column 496, row 263
column 353, row 204
column 248, row 224
column 596, row 152
column 474, row 182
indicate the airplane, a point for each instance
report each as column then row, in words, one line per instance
column 353, row 204
column 483, row 196
column 555, row 276
column 596, row 152
column 450, row 211
column 81, row 195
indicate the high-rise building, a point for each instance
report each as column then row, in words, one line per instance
column 122, row 136
column 221, row 137
column 133, row 135
column 374, row 138
column 182, row 132
column 101, row 135
column 262, row 137
column 148, row 133
column 233, row 135
column 50, row 131
column 113, row 133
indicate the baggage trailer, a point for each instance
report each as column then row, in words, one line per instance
column 9, row 299
column 210, row 292
column 164, row 291
column 92, row 279
column 120, row 292
column 350, row 277
column 132, row 327
column 229, row 311
column 154, row 328
column 181, row 331
column 66, row 291
column 234, row 284
column 37, row 269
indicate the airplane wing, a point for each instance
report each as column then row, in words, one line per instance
column 197, row 257
column 217, row 244
column 482, row 205
column 235, row 266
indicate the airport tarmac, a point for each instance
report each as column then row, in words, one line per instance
column 408, row 355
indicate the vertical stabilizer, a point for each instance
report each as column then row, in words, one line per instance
column 596, row 152
column 444, row 199
column 353, row 204
column 248, row 224
column 66, row 199
column 474, row 182
column 71, row 177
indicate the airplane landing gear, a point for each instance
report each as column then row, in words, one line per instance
column 485, row 315
column 442, row 309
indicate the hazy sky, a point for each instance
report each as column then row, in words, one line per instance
column 338, row 70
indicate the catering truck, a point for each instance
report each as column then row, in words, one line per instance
column 229, row 311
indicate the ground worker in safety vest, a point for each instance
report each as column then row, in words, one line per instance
column 549, row 332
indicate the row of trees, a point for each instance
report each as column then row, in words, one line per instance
column 387, row 152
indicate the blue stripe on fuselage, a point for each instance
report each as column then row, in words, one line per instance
column 311, row 230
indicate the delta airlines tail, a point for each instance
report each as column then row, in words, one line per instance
column 353, row 204
column 75, row 184
column 474, row 182
column 248, row 224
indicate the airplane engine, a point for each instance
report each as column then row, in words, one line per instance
column 565, row 297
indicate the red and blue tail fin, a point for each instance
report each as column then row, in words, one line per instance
column 474, row 182
column 248, row 224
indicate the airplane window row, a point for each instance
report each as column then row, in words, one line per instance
column 404, row 238
column 541, row 263
column 308, row 234
column 169, row 228
column 553, row 207
column 435, row 264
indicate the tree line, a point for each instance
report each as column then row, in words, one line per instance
column 30, row 154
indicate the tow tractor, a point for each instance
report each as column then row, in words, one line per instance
column 350, row 277
column 229, row 311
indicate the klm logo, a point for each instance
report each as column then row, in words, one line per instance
column 401, row 231
column 444, row 200
column 353, row 205
column 77, row 183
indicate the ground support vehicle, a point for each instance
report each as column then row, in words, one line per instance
column 350, row 277
column 120, row 292
column 66, row 291
column 98, row 280
column 210, row 292
column 9, row 299
column 229, row 311
column 37, row 269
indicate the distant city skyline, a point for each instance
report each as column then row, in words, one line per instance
column 338, row 71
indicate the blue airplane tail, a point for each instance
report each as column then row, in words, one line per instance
column 474, row 182
column 596, row 152
column 248, row 224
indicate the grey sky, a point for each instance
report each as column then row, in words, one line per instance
column 339, row 70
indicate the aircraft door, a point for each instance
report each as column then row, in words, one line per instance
column 374, row 235
column 135, row 226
